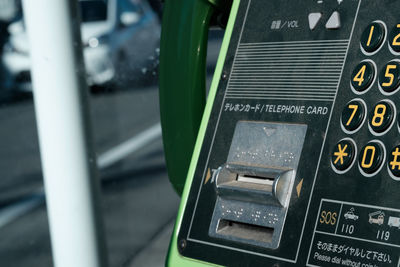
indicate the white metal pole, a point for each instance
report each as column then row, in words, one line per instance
column 68, row 161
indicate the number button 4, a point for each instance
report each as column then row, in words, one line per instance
column 363, row 76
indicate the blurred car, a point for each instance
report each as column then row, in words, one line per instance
column 120, row 41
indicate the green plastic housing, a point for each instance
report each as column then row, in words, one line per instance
column 174, row 259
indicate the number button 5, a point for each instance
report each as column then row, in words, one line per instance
column 389, row 77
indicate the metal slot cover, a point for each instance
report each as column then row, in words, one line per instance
column 245, row 231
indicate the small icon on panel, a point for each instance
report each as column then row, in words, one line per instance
column 394, row 222
column 377, row 217
column 350, row 215
column 276, row 25
column 320, row 1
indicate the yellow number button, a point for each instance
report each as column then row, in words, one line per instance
column 381, row 116
column 371, row 157
column 394, row 39
column 389, row 77
column 372, row 37
column 362, row 76
column 353, row 115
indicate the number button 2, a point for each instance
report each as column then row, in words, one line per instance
column 394, row 39
column 362, row 76
column 389, row 77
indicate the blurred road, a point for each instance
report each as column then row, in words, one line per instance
column 138, row 203
column 137, row 199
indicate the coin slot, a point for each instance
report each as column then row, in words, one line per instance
column 245, row 231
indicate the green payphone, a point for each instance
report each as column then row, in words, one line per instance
column 297, row 161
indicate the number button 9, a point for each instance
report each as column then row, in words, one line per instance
column 381, row 117
column 362, row 76
column 389, row 77
column 353, row 115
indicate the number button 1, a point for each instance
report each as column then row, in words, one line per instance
column 389, row 78
column 353, row 115
column 362, row 76
column 372, row 37
column 381, row 116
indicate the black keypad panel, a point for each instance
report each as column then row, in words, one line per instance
column 353, row 115
column 372, row 37
column 389, row 77
column 343, row 155
column 371, row 157
column 362, row 76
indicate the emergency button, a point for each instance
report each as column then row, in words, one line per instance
column 371, row 157
column 343, row 155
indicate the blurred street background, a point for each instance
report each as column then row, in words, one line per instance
column 139, row 205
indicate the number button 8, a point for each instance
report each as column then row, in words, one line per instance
column 381, row 117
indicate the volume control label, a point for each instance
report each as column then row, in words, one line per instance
column 353, row 234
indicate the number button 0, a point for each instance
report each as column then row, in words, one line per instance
column 371, row 157
column 362, row 76
column 381, row 116
column 389, row 77
column 394, row 39
column 353, row 115
column 372, row 37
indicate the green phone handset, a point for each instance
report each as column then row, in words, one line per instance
column 182, row 80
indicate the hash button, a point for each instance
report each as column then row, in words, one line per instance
column 394, row 161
